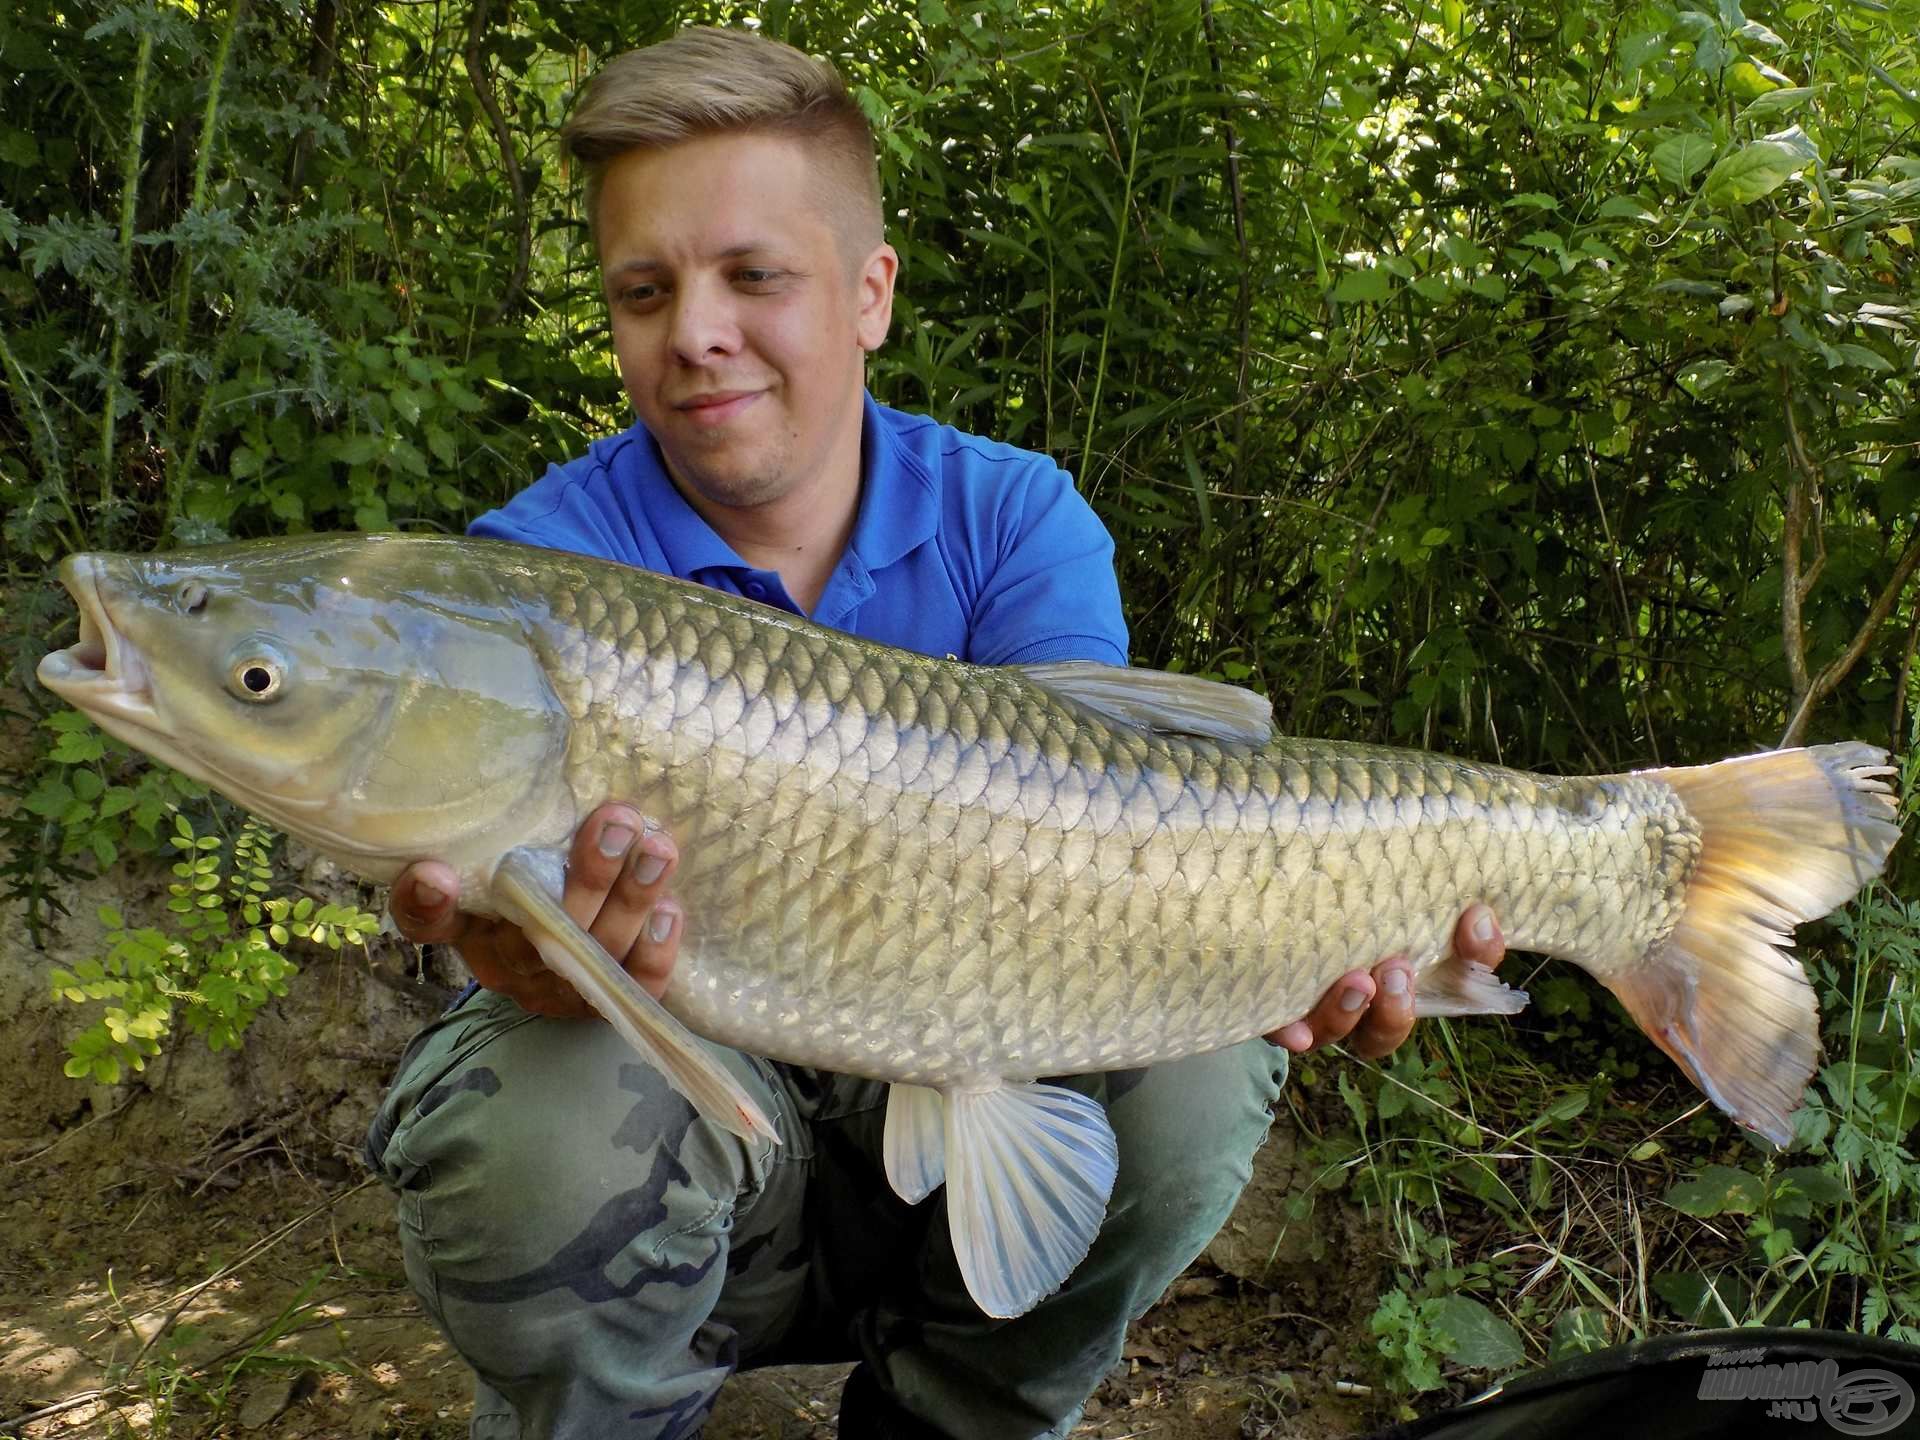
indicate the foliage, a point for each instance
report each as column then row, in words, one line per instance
column 222, row 956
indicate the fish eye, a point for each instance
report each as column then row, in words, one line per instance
column 257, row 675
column 191, row 597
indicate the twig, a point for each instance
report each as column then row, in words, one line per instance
column 59, row 1407
column 1906, row 674
column 252, row 1253
column 516, row 181
column 1803, row 496
column 1794, row 586
column 1829, row 679
column 1243, row 305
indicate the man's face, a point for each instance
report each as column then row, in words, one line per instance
column 740, row 319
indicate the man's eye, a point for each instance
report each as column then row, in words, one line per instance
column 639, row 294
column 756, row 276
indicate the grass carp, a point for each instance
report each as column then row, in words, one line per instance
column 951, row 877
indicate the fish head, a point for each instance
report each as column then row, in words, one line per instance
column 374, row 696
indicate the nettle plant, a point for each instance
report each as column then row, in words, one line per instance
column 220, row 957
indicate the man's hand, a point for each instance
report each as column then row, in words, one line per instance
column 617, row 874
column 1374, row 1013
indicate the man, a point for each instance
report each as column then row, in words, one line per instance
column 603, row 1258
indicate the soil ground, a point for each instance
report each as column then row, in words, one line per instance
column 201, row 1252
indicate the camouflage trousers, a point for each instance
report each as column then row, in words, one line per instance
column 605, row 1260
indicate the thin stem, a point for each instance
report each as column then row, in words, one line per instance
column 181, row 461
column 1124, row 210
column 129, row 199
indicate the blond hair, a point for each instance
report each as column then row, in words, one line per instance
column 708, row 81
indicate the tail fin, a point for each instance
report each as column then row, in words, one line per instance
column 1785, row 836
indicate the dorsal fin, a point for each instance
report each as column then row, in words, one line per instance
column 1159, row 700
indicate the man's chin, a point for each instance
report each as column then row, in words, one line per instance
column 738, row 486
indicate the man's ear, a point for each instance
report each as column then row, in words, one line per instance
column 873, row 286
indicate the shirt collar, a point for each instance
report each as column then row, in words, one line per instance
column 899, row 504
column 899, row 508
column 688, row 542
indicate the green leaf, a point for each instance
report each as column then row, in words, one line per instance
column 1579, row 1331
column 18, row 148
column 1680, row 158
column 1624, row 207
column 1853, row 354
column 1702, row 375
column 1477, row 1338
column 356, row 449
column 51, row 797
column 79, row 749
column 1746, row 80
column 1779, row 102
column 1718, row 1190
column 1753, row 172
column 1363, row 285
column 1818, row 1184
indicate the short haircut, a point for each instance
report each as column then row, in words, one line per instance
column 708, row 81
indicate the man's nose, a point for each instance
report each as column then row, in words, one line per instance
column 704, row 324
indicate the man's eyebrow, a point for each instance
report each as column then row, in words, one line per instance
column 647, row 266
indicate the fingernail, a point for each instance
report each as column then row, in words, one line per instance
column 1352, row 998
column 1483, row 926
column 1396, row 981
column 649, row 868
column 660, row 924
column 615, row 840
column 428, row 896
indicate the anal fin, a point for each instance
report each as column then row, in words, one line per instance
column 1029, row 1169
column 522, row 892
column 915, row 1143
column 1464, row 987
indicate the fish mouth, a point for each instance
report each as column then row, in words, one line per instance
column 102, row 672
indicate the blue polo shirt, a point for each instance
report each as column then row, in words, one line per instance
column 962, row 546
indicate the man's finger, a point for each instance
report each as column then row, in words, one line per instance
column 599, row 853
column 652, row 958
column 1333, row 1018
column 423, row 902
column 621, row 925
column 1477, row 937
column 1389, row 1020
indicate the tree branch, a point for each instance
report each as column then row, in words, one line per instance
column 1828, row 679
column 1905, row 676
column 483, row 91
column 1244, row 303
column 1801, row 474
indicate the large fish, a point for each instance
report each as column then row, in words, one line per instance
column 951, row 877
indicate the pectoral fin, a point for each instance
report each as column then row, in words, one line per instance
column 523, row 892
column 1029, row 1169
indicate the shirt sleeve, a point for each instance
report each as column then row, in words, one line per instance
column 1052, row 594
column 569, row 508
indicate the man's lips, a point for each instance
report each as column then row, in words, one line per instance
column 717, row 407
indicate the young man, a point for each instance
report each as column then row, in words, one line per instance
column 603, row 1258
